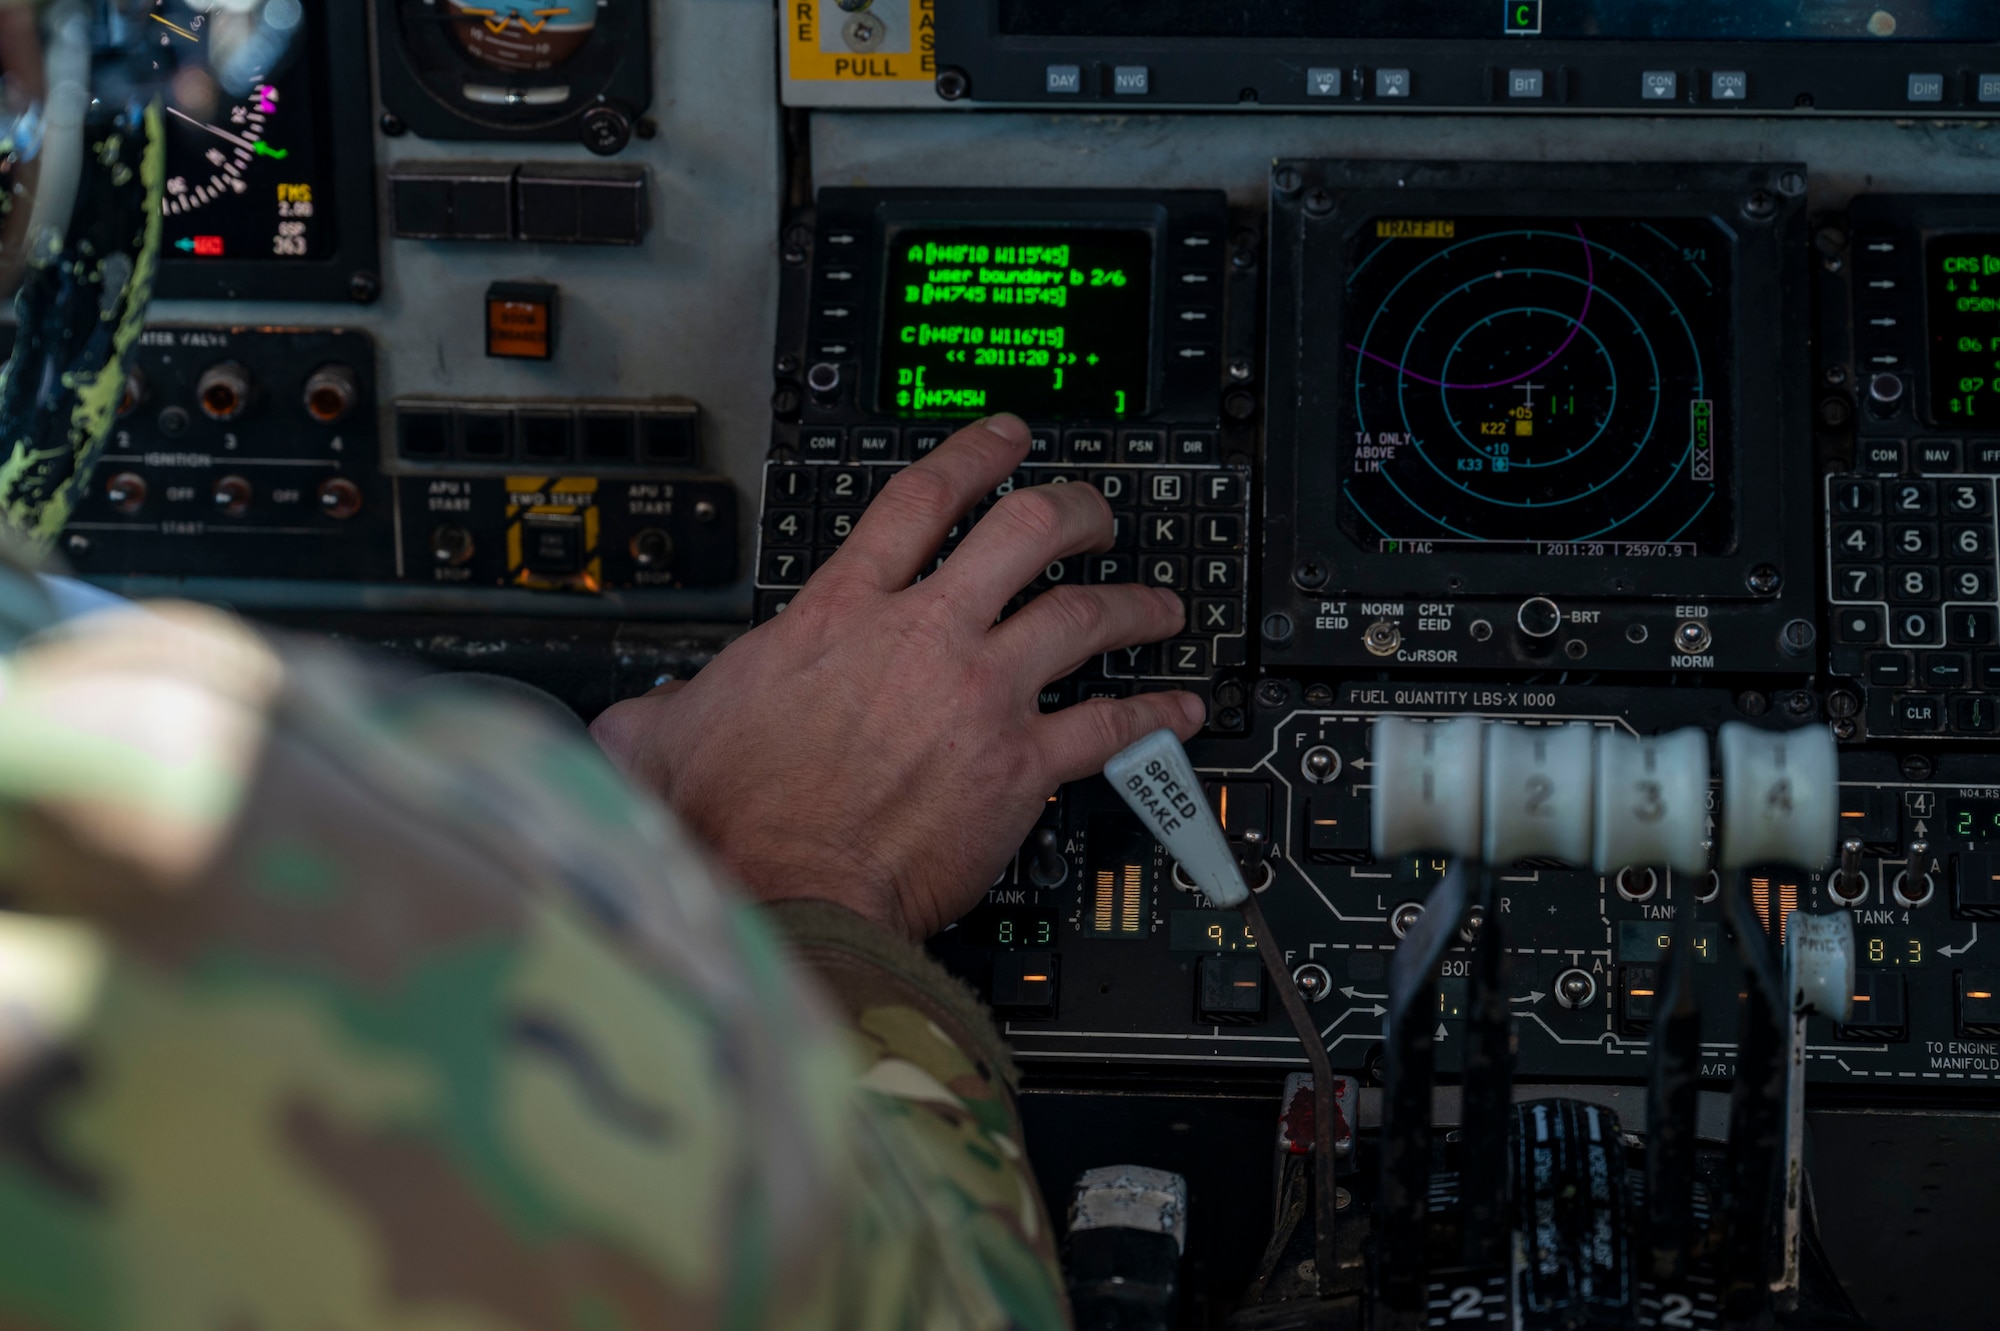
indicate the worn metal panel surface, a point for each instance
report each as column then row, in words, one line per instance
column 691, row 311
column 1234, row 152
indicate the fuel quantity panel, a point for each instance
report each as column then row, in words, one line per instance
column 1093, row 949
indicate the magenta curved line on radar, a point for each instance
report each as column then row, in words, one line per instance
column 1589, row 291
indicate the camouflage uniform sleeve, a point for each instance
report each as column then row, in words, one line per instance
column 940, row 1091
column 329, row 1003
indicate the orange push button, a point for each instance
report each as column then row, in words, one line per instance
column 520, row 320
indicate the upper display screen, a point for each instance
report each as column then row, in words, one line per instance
column 1607, row 20
column 247, row 177
column 1050, row 322
column 1963, row 277
column 1554, row 386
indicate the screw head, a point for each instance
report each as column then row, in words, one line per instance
column 1836, row 376
column 1272, row 693
column 785, row 403
column 393, row 126
column 363, row 287
column 1842, row 703
column 1844, row 729
column 1286, row 180
column 1751, row 703
column 1764, row 580
column 787, row 363
column 1916, row 767
column 1228, row 693
column 1310, row 575
column 1761, row 205
column 1278, row 628
column 1319, row 695
column 77, row 544
column 1835, row 412
column 1239, row 405
column 952, row 83
column 1229, row 718
column 1239, row 369
column 1800, row 703
column 1320, row 202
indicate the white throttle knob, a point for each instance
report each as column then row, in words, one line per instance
column 1652, row 801
column 1427, row 786
column 1539, row 792
column 1780, row 796
column 1155, row 777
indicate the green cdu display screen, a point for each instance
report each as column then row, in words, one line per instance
column 1048, row 322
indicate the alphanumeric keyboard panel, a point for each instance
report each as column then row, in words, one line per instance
column 1183, row 527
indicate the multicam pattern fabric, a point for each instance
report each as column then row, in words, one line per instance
column 327, row 1003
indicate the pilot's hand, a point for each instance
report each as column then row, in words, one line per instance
column 878, row 744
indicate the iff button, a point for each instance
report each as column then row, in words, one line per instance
column 1523, row 18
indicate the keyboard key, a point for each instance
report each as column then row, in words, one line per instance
column 1107, row 569
column 1163, row 531
column 1989, row 670
column 1982, row 455
column 1947, row 670
column 1131, row 662
column 1117, row 487
column 1969, row 584
column 877, row 443
column 1967, row 499
column 1970, row 628
column 837, row 524
column 1219, row 531
column 1043, row 444
column 1973, row 715
column 1101, row 688
column 1918, row 712
column 1216, row 616
column 1857, row 582
column 1912, row 499
column 783, row 568
column 1166, row 489
column 1143, row 446
column 1185, row 657
column 1889, row 670
column 789, row 485
column 925, row 439
column 1220, row 489
column 1914, row 583
column 1935, row 455
column 1087, row 447
column 1195, row 448
column 788, row 526
column 1857, row 540
column 1914, row 628
column 1912, row 540
column 771, row 604
column 823, row 444
column 1169, row 571
column 845, row 485
column 1856, row 498
column 1124, row 530
column 1884, row 457
column 1218, row 574
column 1858, row 624
column 1974, row 541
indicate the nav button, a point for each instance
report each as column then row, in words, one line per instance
column 1539, row 617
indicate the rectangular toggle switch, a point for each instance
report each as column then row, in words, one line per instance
column 1024, row 985
column 1638, row 987
column 1241, row 806
column 1229, row 990
column 1881, row 1008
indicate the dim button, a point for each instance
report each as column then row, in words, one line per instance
column 1539, row 617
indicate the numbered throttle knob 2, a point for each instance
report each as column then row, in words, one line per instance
column 1539, row 793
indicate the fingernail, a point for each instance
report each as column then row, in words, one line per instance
column 1173, row 599
column 1196, row 713
column 1008, row 426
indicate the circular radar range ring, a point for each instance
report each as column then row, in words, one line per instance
column 1537, row 384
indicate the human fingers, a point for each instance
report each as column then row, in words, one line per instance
column 1026, row 532
column 901, row 531
column 1066, row 626
column 1077, row 741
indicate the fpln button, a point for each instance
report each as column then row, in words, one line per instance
column 520, row 320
